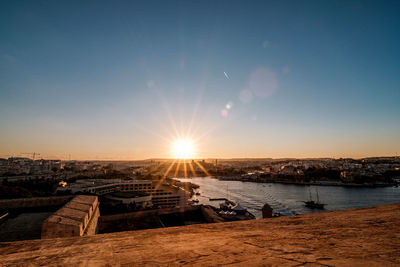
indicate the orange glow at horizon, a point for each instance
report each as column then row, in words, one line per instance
column 183, row 149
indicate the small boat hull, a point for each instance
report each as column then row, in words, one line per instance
column 314, row 205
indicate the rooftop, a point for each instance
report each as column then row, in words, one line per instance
column 363, row 237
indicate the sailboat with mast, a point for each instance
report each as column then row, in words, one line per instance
column 314, row 204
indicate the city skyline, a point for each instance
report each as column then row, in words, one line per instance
column 259, row 79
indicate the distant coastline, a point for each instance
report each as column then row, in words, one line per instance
column 321, row 183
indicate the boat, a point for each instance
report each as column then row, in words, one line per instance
column 235, row 213
column 224, row 206
column 314, row 204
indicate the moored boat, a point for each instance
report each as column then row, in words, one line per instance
column 314, row 204
column 235, row 213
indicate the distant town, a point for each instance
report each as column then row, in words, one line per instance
column 26, row 177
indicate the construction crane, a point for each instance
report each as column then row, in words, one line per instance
column 34, row 154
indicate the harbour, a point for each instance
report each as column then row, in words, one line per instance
column 289, row 199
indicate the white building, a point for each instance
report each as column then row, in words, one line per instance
column 162, row 195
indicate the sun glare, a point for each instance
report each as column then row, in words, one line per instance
column 183, row 149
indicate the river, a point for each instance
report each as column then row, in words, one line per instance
column 287, row 199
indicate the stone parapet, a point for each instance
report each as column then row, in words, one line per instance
column 363, row 237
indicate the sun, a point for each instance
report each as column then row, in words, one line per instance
column 183, row 149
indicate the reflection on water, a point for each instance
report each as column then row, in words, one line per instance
column 287, row 199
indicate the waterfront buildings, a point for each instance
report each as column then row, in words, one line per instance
column 159, row 194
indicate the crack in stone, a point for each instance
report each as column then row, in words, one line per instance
column 248, row 243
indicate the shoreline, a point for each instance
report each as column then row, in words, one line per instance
column 321, row 183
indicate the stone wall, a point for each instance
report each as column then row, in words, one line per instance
column 35, row 202
column 76, row 218
column 137, row 220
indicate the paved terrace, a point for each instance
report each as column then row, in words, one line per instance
column 364, row 237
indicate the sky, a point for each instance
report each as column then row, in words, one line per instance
column 126, row 79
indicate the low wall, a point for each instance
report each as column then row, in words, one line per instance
column 137, row 220
column 111, row 218
column 77, row 218
column 35, row 202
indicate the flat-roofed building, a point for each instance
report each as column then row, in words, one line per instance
column 76, row 218
column 162, row 195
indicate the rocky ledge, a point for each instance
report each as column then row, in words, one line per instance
column 363, row 237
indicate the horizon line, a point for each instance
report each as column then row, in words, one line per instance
column 212, row 158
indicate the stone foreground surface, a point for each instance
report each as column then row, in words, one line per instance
column 363, row 237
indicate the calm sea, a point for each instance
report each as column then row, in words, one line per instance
column 287, row 199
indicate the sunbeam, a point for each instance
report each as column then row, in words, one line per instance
column 165, row 175
column 203, row 169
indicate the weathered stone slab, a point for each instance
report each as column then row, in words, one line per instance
column 363, row 237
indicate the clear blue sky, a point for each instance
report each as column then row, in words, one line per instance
column 123, row 79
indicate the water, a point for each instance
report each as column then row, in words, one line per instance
column 287, row 199
column 25, row 226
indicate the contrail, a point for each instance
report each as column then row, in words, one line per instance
column 226, row 75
